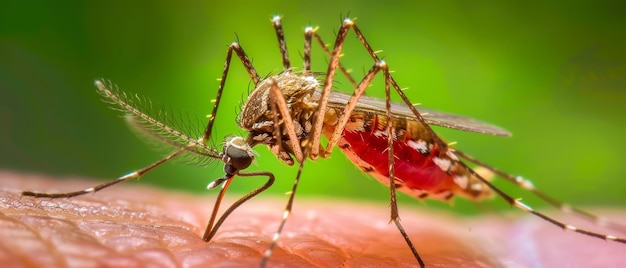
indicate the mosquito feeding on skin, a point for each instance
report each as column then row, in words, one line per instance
column 289, row 112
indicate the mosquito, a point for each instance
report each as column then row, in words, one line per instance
column 289, row 112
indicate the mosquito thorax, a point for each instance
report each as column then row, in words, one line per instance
column 237, row 154
column 296, row 89
column 258, row 119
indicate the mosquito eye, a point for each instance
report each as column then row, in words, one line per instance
column 238, row 157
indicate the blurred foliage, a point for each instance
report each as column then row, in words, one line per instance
column 553, row 74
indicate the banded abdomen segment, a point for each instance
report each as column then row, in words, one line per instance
column 420, row 168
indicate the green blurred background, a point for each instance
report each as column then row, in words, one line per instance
column 553, row 74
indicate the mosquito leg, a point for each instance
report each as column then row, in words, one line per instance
column 442, row 145
column 334, row 138
column 277, row 131
column 396, row 220
column 308, row 34
column 340, row 66
column 352, row 102
column 286, row 214
column 133, row 175
column 341, row 123
column 211, row 229
column 330, row 76
column 277, row 100
column 518, row 204
column 251, row 72
column 528, row 186
column 395, row 214
column 280, row 35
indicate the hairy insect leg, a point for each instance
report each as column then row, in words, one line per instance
column 341, row 123
column 395, row 214
column 282, row 116
column 528, row 186
column 247, row 64
column 306, row 59
column 277, row 101
column 280, row 35
column 286, row 213
column 350, row 106
column 309, row 32
column 518, row 204
column 133, row 175
column 324, row 47
column 330, row 74
column 213, row 226
column 442, row 144
column 352, row 102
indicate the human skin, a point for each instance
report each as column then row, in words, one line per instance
column 132, row 225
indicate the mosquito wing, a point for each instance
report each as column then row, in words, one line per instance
column 432, row 117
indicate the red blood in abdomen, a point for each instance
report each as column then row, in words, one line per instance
column 416, row 170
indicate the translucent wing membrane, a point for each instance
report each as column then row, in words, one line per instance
column 437, row 118
column 157, row 126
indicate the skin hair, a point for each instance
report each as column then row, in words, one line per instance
column 134, row 225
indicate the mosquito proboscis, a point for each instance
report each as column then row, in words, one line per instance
column 289, row 112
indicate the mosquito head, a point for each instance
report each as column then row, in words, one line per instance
column 237, row 155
